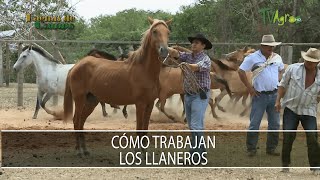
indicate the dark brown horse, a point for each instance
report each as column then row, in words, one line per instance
column 133, row 81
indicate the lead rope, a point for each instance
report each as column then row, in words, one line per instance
column 190, row 79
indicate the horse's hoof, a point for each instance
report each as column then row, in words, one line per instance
column 215, row 116
column 34, row 117
column 222, row 109
column 86, row 153
column 242, row 114
column 125, row 115
column 172, row 120
column 185, row 120
column 105, row 114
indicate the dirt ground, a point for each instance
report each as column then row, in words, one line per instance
column 12, row 117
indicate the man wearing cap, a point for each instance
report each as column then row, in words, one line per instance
column 299, row 88
column 196, row 102
column 266, row 67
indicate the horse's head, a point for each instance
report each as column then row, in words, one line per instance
column 159, row 35
column 24, row 59
column 239, row 55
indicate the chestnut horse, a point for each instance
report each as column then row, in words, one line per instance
column 102, row 54
column 133, row 81
column 227, row 69
column 171, row 82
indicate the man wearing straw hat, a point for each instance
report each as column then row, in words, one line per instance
column 300, row 87
column 196, row 102
column 266, row 67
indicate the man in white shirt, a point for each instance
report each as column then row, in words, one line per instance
column 299, row 88
column 266, row 66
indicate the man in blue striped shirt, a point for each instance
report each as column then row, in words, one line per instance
column 196, row 102
column 300, row 87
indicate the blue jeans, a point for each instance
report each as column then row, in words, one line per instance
column 195, row 109
column 291, row 122
column 260, row 104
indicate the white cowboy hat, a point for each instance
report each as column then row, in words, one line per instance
column 312, row 55
column 268, row 40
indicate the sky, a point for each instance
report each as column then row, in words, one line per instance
column 93, row 8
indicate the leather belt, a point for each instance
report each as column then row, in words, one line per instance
column 204, row 89
column 269, row 92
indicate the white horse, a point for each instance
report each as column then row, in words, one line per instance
column 51, row 75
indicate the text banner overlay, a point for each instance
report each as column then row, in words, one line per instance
column 151, row 149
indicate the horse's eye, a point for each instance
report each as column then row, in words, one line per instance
column 154, row 32
column 24, row 56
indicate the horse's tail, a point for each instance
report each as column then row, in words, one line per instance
column 68, row 101
column 222, row 81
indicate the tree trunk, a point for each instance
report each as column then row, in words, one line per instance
column 7, row 65
column 1, row 65
column 261, row 29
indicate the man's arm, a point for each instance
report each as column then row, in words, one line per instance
column 280, row 75
column 203, row 65
column 182, row 49
column 284, row 83
column 281, row 92
column 194, row 67
column 244, row 79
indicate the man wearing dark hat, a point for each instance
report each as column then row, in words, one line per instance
column 300, row 87
column 266, row 67
column 196, row 102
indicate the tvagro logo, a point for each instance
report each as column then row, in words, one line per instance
column 51, row 22
column 272, row 17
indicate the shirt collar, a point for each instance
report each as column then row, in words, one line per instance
column 317, row 78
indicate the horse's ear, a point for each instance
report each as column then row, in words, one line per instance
column 150, row 20
column 246, row 48
column 169, row 22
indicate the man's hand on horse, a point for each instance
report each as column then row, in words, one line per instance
column 181, row 49
column 173, row 53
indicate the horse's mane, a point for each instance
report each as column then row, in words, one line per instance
column 221, row 65
column 101, row 53
column 40, row 51
column 138, row 54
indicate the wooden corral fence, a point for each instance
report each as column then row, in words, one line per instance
column 287, row 52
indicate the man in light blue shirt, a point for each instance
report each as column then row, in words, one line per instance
column 267, row 67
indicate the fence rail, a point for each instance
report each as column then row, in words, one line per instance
column 138, row 42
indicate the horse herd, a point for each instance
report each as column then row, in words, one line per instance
column 138, row 79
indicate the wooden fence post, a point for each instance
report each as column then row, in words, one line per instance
column 286, row 54
column 7, row 65
column 1, row 66
column 20, row 80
